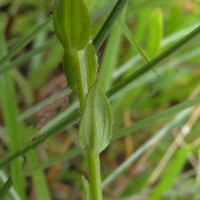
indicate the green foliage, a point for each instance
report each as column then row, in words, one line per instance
column 149, row 112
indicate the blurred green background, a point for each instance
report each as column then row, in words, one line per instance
column 34, row 92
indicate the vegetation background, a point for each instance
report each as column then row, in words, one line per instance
column 154, row 153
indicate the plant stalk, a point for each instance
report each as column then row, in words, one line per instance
column 95, row 175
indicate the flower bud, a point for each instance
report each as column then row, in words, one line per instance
column 72, row 23
column 96, row 123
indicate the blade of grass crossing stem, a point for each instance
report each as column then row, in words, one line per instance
column 10, row 113
column 155, row 33
column 171, row 172
column 110, row 58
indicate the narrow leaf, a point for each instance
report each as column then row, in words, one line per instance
column 110, row 58
column 171, row 172
column 86, row 187
column 155, row 33
column 91, row 64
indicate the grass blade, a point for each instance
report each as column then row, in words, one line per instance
column 23, row 42
column 6, row 188
column 110, row 58
column 154, row 61
column 155, row 33
column 162, row 115
column 13, row 128
column 171, row 172
column 109, row 23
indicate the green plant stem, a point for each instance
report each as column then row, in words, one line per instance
column 102, row 34
column 95, row 175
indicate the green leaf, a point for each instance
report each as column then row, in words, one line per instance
column 72, row 23
column 155, row 33
column 96, row 124
column 171, row 172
